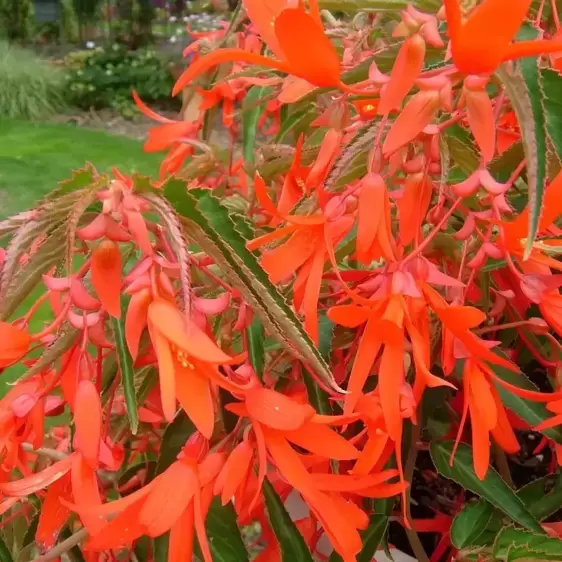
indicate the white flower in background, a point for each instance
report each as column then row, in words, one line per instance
column 185, row 18
column 90, row 44
column 173, row 39
column 172, row 19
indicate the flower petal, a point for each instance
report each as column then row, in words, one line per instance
column 188, row 337
column 106, row 276
column 276, row 410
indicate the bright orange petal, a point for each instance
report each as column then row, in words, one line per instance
column 14, row 344
column 349, row 315
column 220, row 56
column 194, row 394
column 166, row 373
column 181, row 537
column 276, row 410
column 323, row 441
column 106, row 276
column 318, row 63
column 372, row 452
column 271, row 237
column 480, row 441
column 331, row 145
column 289, row 464
column 391, row 379
column 367, row 352
column 480, row 114
column 234, row 471
column 169, row 499
column 187, row 336
column 281, row 262
column 147, row 111
column 262, row 14
column 495, row 23
column 85, row 492
column 31, row 484
column 416, row 115
column 413, row 206
column 88, row 421
column 135, row 321
column 53, row 514
column 120, row 532
column 371, row 205
column 521, row 49
column 406, row 70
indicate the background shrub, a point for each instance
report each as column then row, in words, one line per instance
column 16, row 19
column 31, row 88
column 105, row 77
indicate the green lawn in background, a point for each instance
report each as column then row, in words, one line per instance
column 34, row 157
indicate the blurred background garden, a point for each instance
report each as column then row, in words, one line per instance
column 68, row 68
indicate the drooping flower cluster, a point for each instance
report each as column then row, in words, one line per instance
column 293, row 302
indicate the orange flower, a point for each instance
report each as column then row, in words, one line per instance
column 284, row 31
column 14, row 344
column 487, row 416
column 374, row 234
column 311, row 240
column 515, row 233
column 187, row 364
column 176, row 500
column 485, row 40
column 106, row 276
column 278, row 421
column 459, row 320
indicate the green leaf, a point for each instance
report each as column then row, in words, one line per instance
column 462, row 150
column 296, row 122
column 229, row 419
column 252, row 109
column 515, row 544
column 504, row 165
column 256, row 352
column 127, row 373
column 175, row 436
column 543, row 497
column 522, row 85
column 371, row 537
column 224, row 535
column 492, row 488
column 5, row 554
column 209, row 225
column 470, row 523
column 161, row 545
column 29, row 537
column 551, row 83
column 293, row 546
column 531, row 412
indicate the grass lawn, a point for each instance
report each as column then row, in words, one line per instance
column 34, row 157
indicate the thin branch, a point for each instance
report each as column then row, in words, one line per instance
column 412, row 535
column 44, row 452
column 503, row 465
column 59, row 456
column 63, row 546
